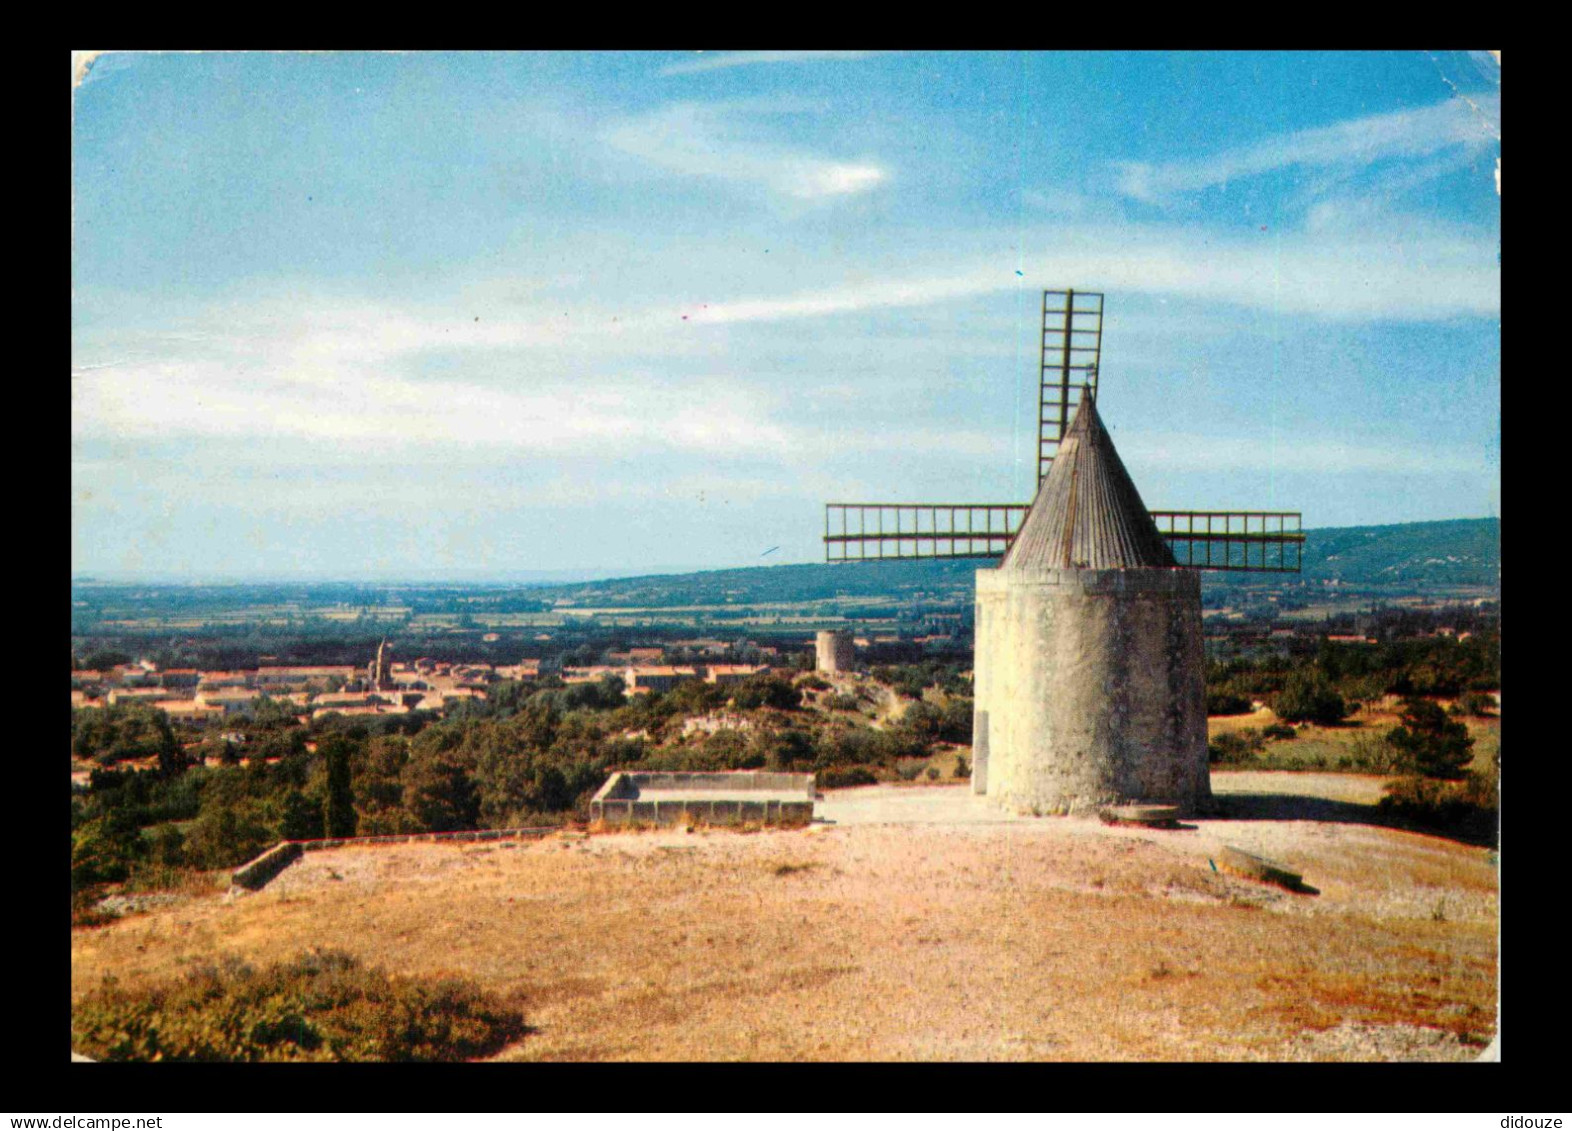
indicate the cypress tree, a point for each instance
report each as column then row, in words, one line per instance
column 338, row 810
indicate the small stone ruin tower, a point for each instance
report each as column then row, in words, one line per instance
column 1090, row 673
column 377, row 673
column 834, row 651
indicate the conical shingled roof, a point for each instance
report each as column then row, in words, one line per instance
column 1088, row 514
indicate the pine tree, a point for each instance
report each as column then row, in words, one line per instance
column 1434, row 745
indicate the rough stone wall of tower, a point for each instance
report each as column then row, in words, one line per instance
column 1091, row 689
column 834, row 651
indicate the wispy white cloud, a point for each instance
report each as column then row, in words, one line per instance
column 1362, row 141
column 1179, row 452
column 721, row 141
column 1351, row 200
column 1420, row 276
column 529, row 378
column 351, row 380
column 207, row 398
column 883, row 294
column 727, row 59
column 326, row 491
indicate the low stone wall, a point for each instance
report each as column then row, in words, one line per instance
column 719, row 811
column 709, row 798
column 466, row 836
column 259, row 871
column 632, row 784
column 255, row 875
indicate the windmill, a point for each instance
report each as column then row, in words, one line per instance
column 1089, row 674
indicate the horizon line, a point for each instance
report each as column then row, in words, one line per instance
column 546, row 578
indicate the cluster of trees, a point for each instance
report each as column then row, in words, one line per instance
column 950, row 723
column 224, row 647
column 1439, row 665
column 526, row 753
column 99, row 660
column 1427, row 743
column 1330, row 685
column 911, row 680
column 143, row 824
column 125, row 732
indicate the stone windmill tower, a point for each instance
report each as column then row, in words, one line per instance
column 1090, row 671
column 1090, row 676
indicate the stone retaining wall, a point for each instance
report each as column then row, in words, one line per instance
column 259, row 871
column 463, row 837
column 255, row 875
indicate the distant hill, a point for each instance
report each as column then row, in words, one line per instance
column 1455, row 552
column 765, row 584
column 1464, row 551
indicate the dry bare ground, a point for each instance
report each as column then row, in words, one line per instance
column 918, row 926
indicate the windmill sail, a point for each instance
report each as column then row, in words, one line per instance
column 1072, row 347
column 1248, row 541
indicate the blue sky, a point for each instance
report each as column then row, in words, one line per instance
column 420, row 316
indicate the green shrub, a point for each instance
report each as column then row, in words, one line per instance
column 840, row 777
column 1227, row 703
column 299, row 818
column 228, row 834
column 922, row 720
column 103, row 850
column 1431, row 743
column 1469, row 805
column 1307, row 697
column 320, row 1006
column 963, row 768
column 783, row 749
column 1373, row 754
column 766, row 691
column 958, row 715
column 1477, row 704
column 1236, row 746
column 1280, row 731
column 167, row 849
